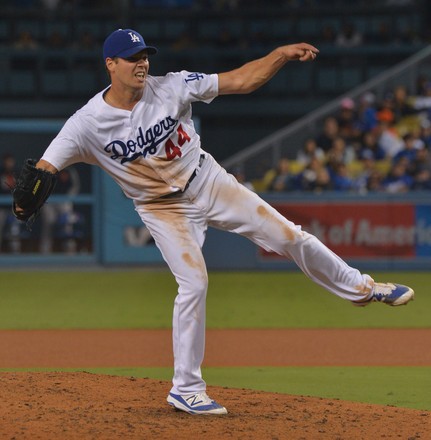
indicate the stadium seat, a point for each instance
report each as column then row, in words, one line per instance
column 173, row 28
column 4, row 30
column 327, row 80
column 55, row 83
column 22, row 83
column 278, row 83
column 96, row 28
column 350, row 77
column 383, row 166
column 373, row 71
column 60, row 27
column 295, row 167
column 355, row 168
column 150, row 30
column 299, row 78
column 4, row 80
column 308, row 27
column 29, row 25
column 84, row 82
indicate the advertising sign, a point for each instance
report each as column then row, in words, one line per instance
column 364, row 230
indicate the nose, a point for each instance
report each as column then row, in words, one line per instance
column 142, row 61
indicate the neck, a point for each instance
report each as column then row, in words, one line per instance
column 125, row 100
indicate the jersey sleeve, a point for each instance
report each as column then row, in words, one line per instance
column 65, row 149
column 198, row 86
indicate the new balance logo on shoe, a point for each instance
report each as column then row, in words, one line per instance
column 198, row 403
column 194, row 400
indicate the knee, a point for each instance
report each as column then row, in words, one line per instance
column 195, row 285
column 297, row 242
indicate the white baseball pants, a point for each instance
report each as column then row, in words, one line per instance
column 178, row 226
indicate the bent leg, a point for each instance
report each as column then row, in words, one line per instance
column 237, row 209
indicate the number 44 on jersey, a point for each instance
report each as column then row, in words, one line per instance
column 172, row 150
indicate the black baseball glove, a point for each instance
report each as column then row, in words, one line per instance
column 31, row 191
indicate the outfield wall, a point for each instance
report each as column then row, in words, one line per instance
column 387, row 232
column 371, row 232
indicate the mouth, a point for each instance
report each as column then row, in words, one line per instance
column 140, row 75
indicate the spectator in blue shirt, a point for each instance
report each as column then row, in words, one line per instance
column 420, row 169
column 370, row 145
column 340, row 178
column 410, row 149
column 398, row 179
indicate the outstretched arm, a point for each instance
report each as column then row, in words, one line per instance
column 255, row 74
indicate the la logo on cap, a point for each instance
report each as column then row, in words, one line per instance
column 134, row 37
column 124, row 43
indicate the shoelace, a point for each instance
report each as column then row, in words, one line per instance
column 382, row 290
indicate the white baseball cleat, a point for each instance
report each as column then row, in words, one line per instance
column 198, row 403
column 388, row 293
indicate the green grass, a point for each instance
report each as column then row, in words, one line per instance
column 406, row 387
column 86, row 300
column 144, row 299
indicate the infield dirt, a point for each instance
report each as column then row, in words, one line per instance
column 60, row 405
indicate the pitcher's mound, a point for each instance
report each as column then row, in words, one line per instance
column 85, row 406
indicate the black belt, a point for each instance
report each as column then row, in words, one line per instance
column 195, row 173
column 191, row 178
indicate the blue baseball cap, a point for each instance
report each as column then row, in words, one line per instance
column 124, row 43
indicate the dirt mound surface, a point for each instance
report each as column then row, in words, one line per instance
column 224, row 347
column 86, row 406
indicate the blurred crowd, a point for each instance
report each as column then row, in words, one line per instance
column 370, row 145
column 345, row 34
column 346, row 37
column 204, row 4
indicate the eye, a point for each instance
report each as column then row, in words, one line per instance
column 136, row 58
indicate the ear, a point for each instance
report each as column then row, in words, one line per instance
column 110, row 63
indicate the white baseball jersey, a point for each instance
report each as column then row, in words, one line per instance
column 149, row 151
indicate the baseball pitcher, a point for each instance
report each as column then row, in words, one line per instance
column 140, row 131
